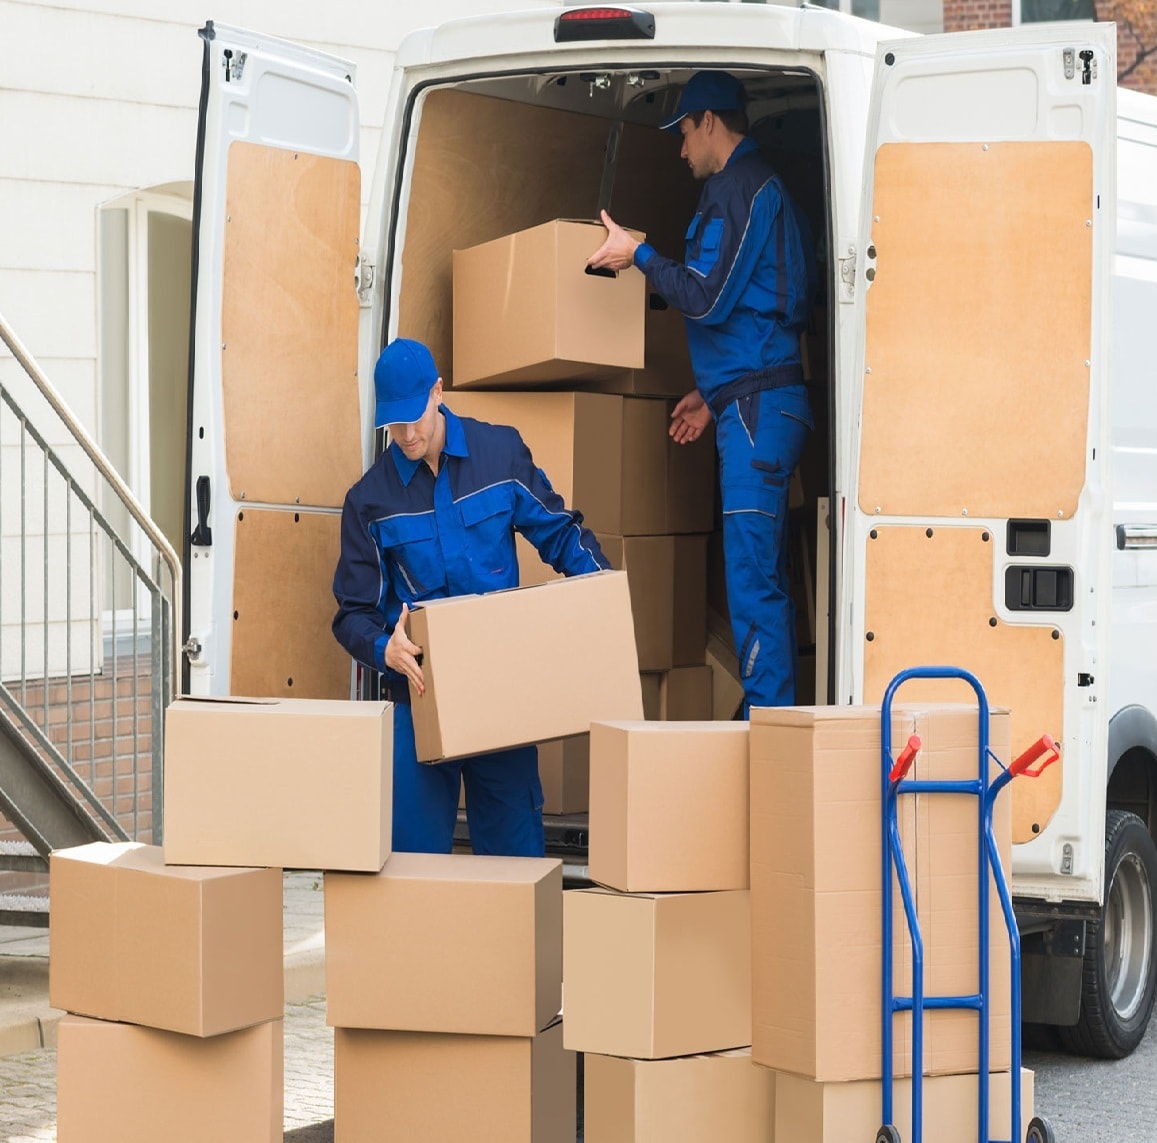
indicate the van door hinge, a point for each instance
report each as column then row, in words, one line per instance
column 363, row 278
column 234, row 65
column 848, row 276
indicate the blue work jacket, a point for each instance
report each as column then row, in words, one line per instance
column 745, row 287
column 407, row 536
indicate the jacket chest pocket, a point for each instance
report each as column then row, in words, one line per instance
column 704, row 240
column 413, row 555
column 486, row 519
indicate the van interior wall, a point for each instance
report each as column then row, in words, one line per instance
column 486, row 167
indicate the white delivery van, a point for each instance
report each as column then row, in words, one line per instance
column 982, row 358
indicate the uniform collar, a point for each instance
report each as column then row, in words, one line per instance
column 745, row 146
column 455, row 446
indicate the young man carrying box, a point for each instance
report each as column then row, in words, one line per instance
column 435, row 516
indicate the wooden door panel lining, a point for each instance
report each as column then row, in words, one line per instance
column 928, row 600
column 283, row 604
column 486, row 167
column 289, row 322
column 979, row 328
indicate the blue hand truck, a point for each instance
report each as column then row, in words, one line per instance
column 990, row 872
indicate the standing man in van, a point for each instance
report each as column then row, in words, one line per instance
column 435, row 516
column 745, row 289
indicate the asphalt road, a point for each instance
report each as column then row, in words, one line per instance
column 1098, row 1101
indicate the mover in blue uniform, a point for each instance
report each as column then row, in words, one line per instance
column 745, row 289
column 436, row 516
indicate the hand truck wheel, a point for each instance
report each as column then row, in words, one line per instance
column 1040, row 1131
column 889, row 1134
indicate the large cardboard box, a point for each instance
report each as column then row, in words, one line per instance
column 838, row 1112
column 668, row 579
column 817, row 900
column 669, row 806
column 514, row 667
column 292, row 783
column 121, row 1083
column 183, row 948
column 609, row 457
column 429, row 1087
column 682, row 694
column 564, row 768
column 690, row 1099
column 528, row 311
column 656, row 975
column 445, row 943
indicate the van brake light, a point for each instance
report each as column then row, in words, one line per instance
column 604, row 24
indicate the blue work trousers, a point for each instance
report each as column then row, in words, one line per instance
column 503, row 798
column 760, row 438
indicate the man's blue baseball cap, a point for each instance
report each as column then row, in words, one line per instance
column 707, row 91
column 403, row 377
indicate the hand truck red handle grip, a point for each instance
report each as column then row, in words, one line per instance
column 1044, row 747
column 904, row 763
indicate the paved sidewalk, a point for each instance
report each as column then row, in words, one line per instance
column 28, row 1027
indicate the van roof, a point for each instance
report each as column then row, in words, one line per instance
column 695, row 30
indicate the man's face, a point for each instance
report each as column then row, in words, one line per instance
column 696, row 150
column 414, row 438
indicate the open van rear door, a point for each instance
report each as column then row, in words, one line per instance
column 980, row 510
column 275, row 427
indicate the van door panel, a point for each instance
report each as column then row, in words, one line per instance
column 978, row 327
column 289, row 325
column 275, row 424
column 986, row 243
column 928, row 600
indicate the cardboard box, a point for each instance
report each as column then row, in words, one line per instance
column 682, row 694
column 445, row 943
column 838, row 1112
column 690, row 1099
column 668, row 579
column 651, row 976
column 291, row 783
column 527, row 311
column 816, row 895
column 669, row 806
column 609, row 457
column 727, row 695
column 425, row 1087
column 667, row 368
column 120, row 1083
column 564, row 768
column 182, row 948
column 533, row 648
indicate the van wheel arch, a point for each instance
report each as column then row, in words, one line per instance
column 1132, row 764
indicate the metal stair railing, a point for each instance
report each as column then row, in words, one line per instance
column 89, row 639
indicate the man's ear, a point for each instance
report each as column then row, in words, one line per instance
column 708, row 121
column 436, row 391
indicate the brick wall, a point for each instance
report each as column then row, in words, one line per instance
column 1136, row 31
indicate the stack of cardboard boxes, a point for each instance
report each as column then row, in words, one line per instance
column 171, row 963
column 605, row 350
column 817, row 909
column 657, row 960
column 443, row 982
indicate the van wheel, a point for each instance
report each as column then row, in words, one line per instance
column 1120, row 969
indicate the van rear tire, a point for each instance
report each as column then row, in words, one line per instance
column 1120, row 970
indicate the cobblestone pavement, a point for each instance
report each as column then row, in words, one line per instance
column 28, row 1083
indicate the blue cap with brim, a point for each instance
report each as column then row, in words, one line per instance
column 403, row 377
column 707, row 91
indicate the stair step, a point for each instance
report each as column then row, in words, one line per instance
column 22, row 857
column 24, row 910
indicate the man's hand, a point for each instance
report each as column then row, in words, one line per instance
column 689, row 418
column 402, row 654
column 618, row 252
